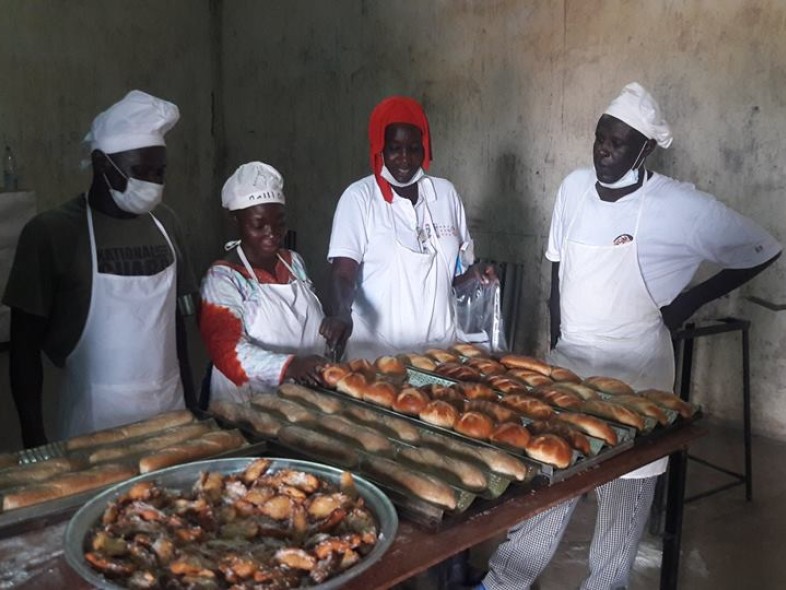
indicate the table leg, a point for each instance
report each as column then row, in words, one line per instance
column 672, row 536
column 746, row 416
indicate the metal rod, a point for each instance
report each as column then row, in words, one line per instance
column 746, row 412
column 672, row 536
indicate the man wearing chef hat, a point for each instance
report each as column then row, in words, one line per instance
column 625, row 242
column 95, row 284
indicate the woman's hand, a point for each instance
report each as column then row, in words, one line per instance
column 306, row 369
column 336, row 330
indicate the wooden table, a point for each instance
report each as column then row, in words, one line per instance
column 415, row 550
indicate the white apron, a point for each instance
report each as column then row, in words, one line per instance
column 406, row 303
column 124, row 367
column 279, row 318
column 609, row 323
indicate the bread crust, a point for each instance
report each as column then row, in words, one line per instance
column 440, row 413
column 551, row 449
column 528, row 406
column 519, row 361
column 323, row 402
column 609, row 385
column 314, row 443
column 613, row 412
column 474, row 424
column 380, row 393
column 410, row 401
column 512, row 435
column 590, row 425
column 208, row 445
column 670, row 401
column 129, row 431
column 421, row 485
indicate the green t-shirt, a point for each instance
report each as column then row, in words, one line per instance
column 52, row 272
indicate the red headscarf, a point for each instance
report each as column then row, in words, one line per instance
column 395, row 110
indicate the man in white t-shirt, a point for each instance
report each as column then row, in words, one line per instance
column 625, row 243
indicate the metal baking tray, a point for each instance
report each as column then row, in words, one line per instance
column 182, row 477
column 16, row 521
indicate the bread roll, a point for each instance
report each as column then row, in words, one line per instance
column 474, row 424
column 390, row 365
column 576, row 439
column 643, row 406
column 462, row 472
column 289, row 410
column 247, row 416
column 458, row 371
column 493, row 410
column 333, row 373
column 410, row 401
column 418, row 361
column 37, row 472
column 440, row 413
column 561, row 399
column 419, row 484
column 613, row 412
column 486, row 366
column 212, row 443
column 583, row 391
column 530, row 378
column 511, row 434
column 609, row 385
column 561, row 374
column 380, row 393
column 363, row 367
column 441, row 356
column 518, row 361
column 505, row 384
column 590, row 425
column 363, row 436
column 122, row 433
column 318, row 446
column 165, row 438
column 448, row 394
column 497, row 461
column 551, row 449
column 670, row 401
column 353, row 385
column 321, row 401
column 474, row 390
column 528, row 406
column 68, row 484
column 396, row 427
column 468, row 350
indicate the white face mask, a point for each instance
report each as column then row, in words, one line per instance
column 631, row 177
column 385, row 173
column 139, row 197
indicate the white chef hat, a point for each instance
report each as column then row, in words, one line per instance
column 252, row 184
column 138, row 120
column 636, row 107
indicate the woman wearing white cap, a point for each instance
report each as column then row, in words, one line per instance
column 625, row 242
column 260, row 317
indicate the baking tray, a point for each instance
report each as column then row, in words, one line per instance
column 183, row 477
column 40, row 515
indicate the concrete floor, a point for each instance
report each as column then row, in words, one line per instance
column 727, row 543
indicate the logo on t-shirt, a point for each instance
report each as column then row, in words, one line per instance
column 623, row 239
column 134, row 260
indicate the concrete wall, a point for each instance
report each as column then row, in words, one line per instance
column 513, row 90
column 63, row 62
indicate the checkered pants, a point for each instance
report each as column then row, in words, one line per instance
column 623, row 510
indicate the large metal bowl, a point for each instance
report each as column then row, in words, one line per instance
column 182, row 477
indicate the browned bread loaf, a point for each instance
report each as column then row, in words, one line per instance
column 561, row 399
column 486, row 366
column 670, row 401
column 121, row 433
column 583, row 391
column 324, row 402
column 562, row 429
column 458, row 371
column 643, row 406
column 511, row 434
column 474, row 424
column 440, row 413
column 551, row 449
column 474, row 390
column 289, row 410
column 528, row 406
column 590, row 425
column 518, row 361
column 493, row 410
column 505, row 384
column 418, row 361
column 421, row 485
column 463, row 472
column 530, row 378
column 613, row 412
column 381, row 393
column 367, row 438
column 561, row 374
column 609, row 385
column 353, row 385
column 410, row 401
column 333, row 373
column 212, row 443
column 468, row 350
column 441, row 356
column 363, row 367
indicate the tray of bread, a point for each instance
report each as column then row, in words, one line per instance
column 232, row 523
column 67, row 474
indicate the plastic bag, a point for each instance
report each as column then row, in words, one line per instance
column 479, row 315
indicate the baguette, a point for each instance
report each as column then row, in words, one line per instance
column 562, row 429
column 551, row 449
column 670, row 401
column 441, row 356
column 37, row 472
column 530, row 378
column 590, row 425
column 517, row 361
column 474, row 390
column 400, row 429
column 528, row 406
column 468, row 350
column 455, row 370
column 563, row 375
column 505, row 384
column 243, row 414
column 512, row 435
column 423, row 486
column 318, row 445
column 68, row 484
column 583, row 391
column 161, row 440
column 561, row 399
column 368, row 439
column 613, row 412
column 493, row 410
column 465, row 474
column 497, row 461
column 122, row 433
column 208, row 445
column 609, row 385
column 486, row 366
column 418, row 361
column 290, row 410
column 643, row 406
column 324, row 403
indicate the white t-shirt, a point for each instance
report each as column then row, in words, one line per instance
column 364, row 220
column 680, row 227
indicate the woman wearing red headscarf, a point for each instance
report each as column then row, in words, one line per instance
column 398, row 245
